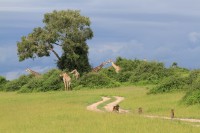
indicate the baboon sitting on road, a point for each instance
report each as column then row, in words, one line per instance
column 140, row 110
column 116, row 108
column 172, row 113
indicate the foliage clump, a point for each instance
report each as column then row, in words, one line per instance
column 169, row 84
column 193, row 88
column 138, row 71
column 182, row 79
column 2, row 82
column 97, row 80
column 17, row 83
column 192, row 97
column 48, row 81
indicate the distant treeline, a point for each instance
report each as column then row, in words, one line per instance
column 133, row 72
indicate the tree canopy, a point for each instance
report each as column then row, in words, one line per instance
column 67, row 29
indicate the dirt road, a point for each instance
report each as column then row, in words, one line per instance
column 109, row 108
column 93, row 107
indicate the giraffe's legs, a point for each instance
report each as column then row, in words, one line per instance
column 69, row 85
column 65, row 85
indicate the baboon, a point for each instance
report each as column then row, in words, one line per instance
column 116, row 108
column 172, row 113
column 140, row 110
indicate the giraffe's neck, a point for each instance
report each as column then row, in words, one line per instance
column 104, row 63
column 113, row 64
column 117, row 68
column 66, row 77
column 75, row 73
column 32, row 72
column 96, row 69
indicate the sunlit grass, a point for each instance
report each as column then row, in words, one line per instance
column 65, row 112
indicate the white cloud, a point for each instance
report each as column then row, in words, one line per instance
column 194, row 37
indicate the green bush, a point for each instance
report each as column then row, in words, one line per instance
column 34, row 85
column 135, row 71
column 169, row 84
column 16, row 84
column 152, row 68
column 149, row 72
column 145, row 78
column 192, row 97
column 124, row 76
column 179, row 71
column 109, row 72
column 97, row 80
column 193, row 76
column 49, row 81
column 52, row 81
column 3, row 81
column 127, row 64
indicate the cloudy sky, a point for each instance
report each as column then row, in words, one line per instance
column 162, row 30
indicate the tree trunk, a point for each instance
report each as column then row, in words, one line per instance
column 55, row 54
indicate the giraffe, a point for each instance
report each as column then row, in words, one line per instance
column 75, row 73
column 66, row 80
column 117, row 68
column 33, row 72
column 98, row 68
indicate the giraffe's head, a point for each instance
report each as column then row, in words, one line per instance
column 109, row 61
column 27, row 70
column 73, row 71
column 61, row 75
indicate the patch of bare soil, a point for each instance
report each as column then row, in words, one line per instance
column 93, row 107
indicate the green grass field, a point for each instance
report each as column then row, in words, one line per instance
column 65, row 112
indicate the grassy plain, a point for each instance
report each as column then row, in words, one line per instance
column 65, row 112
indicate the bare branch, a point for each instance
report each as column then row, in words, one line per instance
column 57, row 44
column 56, row 54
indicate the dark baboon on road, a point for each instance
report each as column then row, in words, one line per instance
column 172, row 113
column 140, row 110
column 116, row 108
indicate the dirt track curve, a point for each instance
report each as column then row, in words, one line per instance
column 109, row 107
column 93, row 107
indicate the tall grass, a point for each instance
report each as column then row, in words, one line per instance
column 65, row 112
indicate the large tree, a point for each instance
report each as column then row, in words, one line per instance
column 67, row 29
